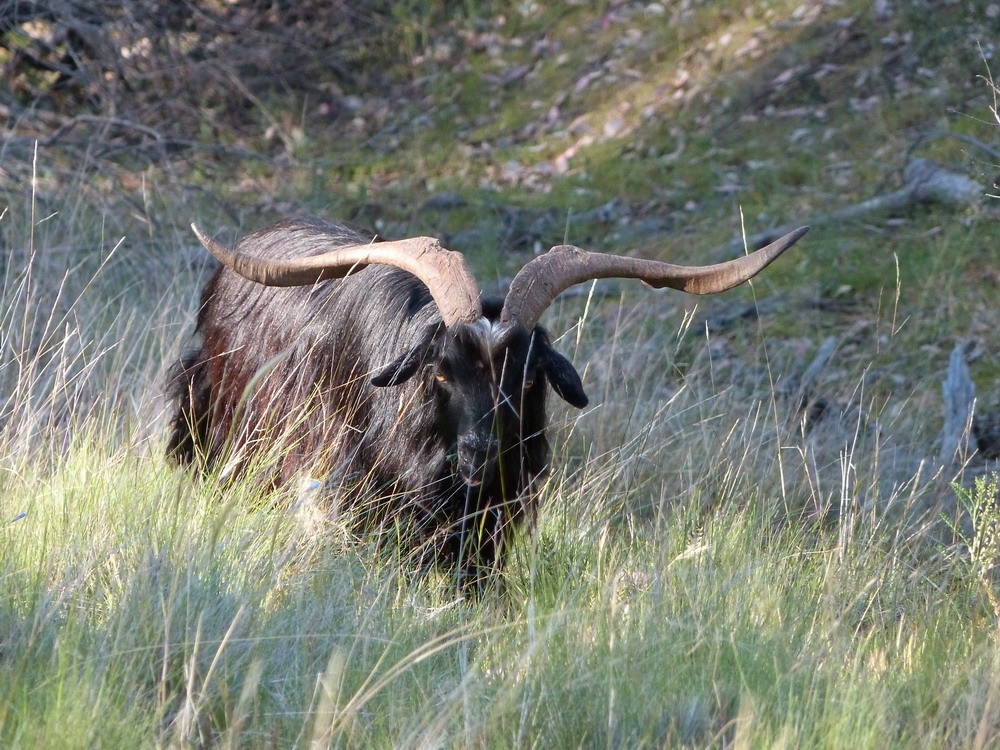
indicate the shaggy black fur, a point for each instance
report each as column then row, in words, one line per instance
column 437, row 431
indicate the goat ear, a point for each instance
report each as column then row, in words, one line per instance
column 404, row 368
column 564, row 379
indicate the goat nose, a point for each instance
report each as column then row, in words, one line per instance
column 477, row 450
column 477, row 458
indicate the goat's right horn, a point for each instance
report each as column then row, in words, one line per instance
column 451, row 284
column 542, row 279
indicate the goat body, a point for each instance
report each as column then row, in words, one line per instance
column 378, row 366
column 358, row 380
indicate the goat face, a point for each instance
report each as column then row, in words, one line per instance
column 488, row 384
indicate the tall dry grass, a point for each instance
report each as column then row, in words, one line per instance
column 710, row 567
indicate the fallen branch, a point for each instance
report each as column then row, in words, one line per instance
column 925, row 182
column 959, row 405
column 809, row 379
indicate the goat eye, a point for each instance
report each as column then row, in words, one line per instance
column 441, row 377
column 528, row 382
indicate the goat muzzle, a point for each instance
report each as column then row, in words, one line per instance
column 477, row 461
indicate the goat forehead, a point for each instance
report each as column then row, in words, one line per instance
column 490, row 342
column 485, row 344
column 489, row 332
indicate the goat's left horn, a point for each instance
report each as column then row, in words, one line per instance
column 444, row 272
column 542, row 279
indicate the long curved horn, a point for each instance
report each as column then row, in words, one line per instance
column 451, row 284
column 542, row 279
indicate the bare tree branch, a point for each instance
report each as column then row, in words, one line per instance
column 925, row 182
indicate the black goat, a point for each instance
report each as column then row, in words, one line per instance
column 396, row 380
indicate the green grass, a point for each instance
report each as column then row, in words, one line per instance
column 703, row 574
column 140, row 610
